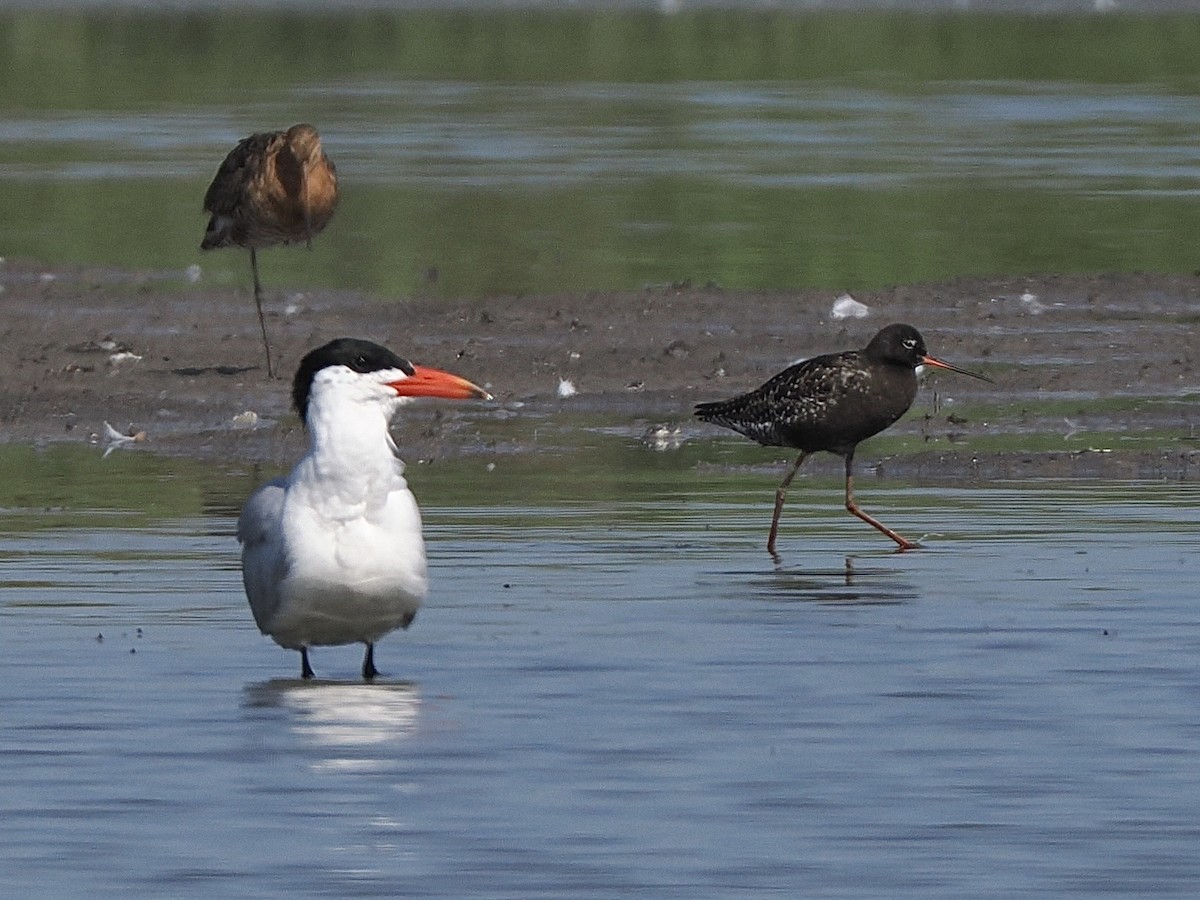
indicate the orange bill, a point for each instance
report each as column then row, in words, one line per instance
column 937, row 363
column 428, row 382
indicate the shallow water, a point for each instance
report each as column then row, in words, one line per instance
column 487, row 151
column 614, row 697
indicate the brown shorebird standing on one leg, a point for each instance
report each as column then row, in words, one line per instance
column 831, row 403
column 277, row 187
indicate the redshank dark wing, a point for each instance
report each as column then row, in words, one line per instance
column 829, row 402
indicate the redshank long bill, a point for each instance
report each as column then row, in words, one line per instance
column 276, row 187
column 832, row 403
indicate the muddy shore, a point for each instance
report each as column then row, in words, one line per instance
column 1096, row 376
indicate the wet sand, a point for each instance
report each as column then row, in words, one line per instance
column 1114, row 357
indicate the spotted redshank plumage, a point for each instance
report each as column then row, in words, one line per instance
column 832, row 403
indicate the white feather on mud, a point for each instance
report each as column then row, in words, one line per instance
column 846, row 307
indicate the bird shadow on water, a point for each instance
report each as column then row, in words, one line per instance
column 856, row 582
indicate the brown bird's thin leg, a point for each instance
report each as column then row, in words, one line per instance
column 369, row 671
column 304, row 205
column 305, row 669
column 258, row 303
column 780, row 495
column 851, row 506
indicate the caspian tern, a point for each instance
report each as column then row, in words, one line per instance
column 333, row 553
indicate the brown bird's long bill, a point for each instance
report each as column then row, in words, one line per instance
column 938, row 364
column 429, row 382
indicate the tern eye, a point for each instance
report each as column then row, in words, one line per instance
column 909, row 343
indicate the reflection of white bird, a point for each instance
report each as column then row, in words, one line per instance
column 662, row 438
column 333, row 553
column 353, row 715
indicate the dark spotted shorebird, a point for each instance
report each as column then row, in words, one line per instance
column 832, row 402
column 277, row 187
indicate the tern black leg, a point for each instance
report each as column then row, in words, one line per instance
column 369, row 672
column 305, row 669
